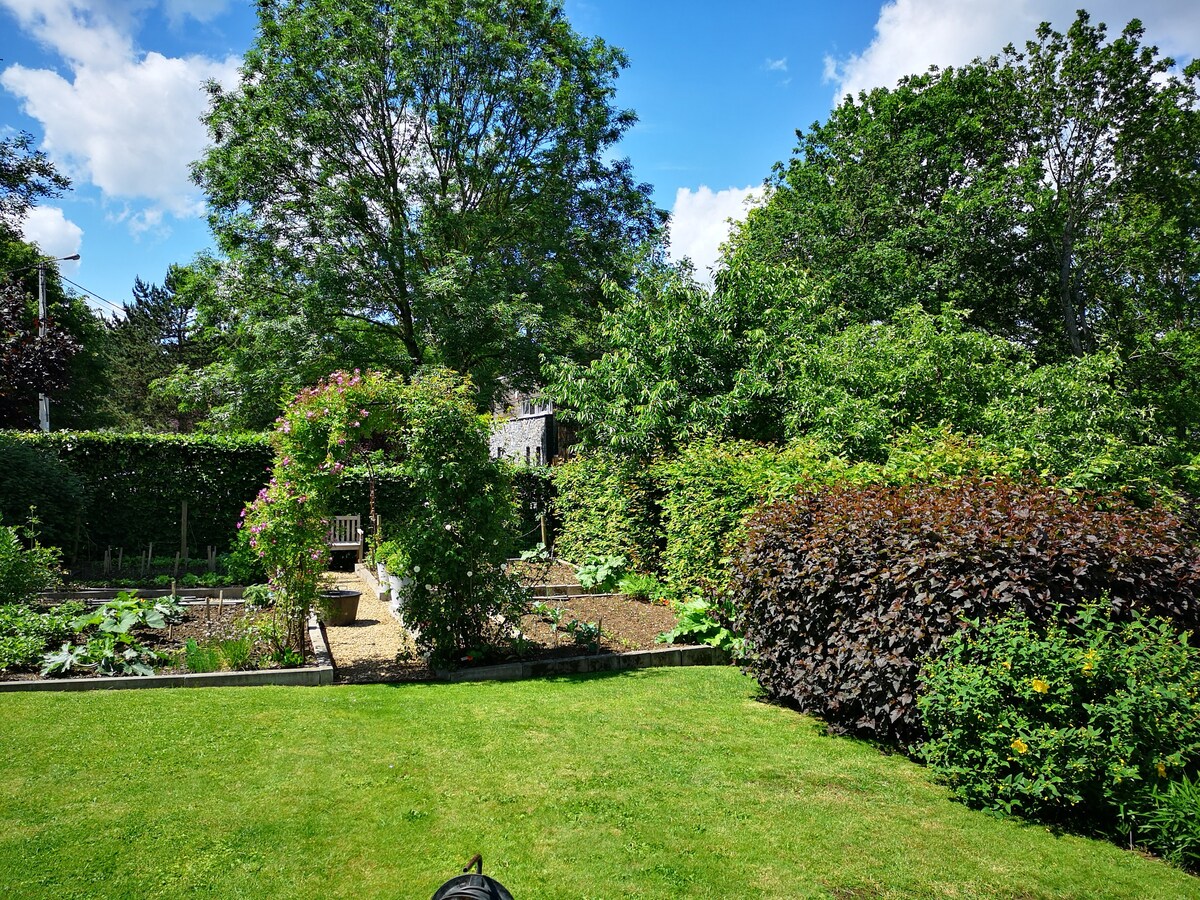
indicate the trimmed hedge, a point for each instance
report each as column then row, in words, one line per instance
column 607, row 505
column 845, row 591
column 710, row 487
column 35, row 483
column 136, row 483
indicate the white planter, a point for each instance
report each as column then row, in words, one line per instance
column 382, row 573
column 396, row 584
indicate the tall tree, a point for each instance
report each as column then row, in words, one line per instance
column 25, row 176
column 1052, row 191
column 436, row 171
column 159, row 334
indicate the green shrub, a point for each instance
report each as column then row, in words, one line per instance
column 1172, row 826
column 845, row 591
column 709, row 488
column 704, row 621
column 26, row 634
column 640, row 587
column 25, row 570
column 1066, row 723
column 606, row 506
column 601, row 573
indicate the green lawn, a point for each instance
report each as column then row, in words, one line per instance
column 659, row 783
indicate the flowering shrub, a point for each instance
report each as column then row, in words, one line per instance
column 454, row 533
column 1077, row 724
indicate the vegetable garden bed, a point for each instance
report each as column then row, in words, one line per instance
column 201, row 637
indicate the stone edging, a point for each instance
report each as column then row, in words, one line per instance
column 692, row 655
column 309, row 676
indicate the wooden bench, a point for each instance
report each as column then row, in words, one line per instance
column 346, row 534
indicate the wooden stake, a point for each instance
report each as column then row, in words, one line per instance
column 183, row 548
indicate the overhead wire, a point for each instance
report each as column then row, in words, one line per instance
column 119, row 309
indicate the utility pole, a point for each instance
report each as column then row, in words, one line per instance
column 43, row 400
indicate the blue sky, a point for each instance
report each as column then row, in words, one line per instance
column 110, row 89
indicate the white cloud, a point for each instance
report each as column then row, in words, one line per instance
column 700, row 222
column 912, row 35
column 776, row 65
column 54, row 233
column 124, row 121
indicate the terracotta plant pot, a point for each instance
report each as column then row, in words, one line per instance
column 339, row 607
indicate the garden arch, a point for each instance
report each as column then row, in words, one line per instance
column 456, row 533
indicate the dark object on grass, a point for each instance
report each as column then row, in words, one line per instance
column 475, row 886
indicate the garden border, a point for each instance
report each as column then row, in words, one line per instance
column 688, row 655
column 309, row 676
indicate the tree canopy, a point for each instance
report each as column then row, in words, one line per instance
column 25, row 176
column 433, row 175
column 1052, row 191
column 1009, row 250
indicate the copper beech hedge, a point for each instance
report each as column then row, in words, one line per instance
column 843, row 591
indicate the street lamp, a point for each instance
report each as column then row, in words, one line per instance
column 43, row 400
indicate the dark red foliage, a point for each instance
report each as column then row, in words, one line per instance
column 30, row 362
column 844, row 591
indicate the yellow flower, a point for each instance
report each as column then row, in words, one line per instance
column 1088, row 667
column 1040, row 686
column 1020, row 746
column 1162, row 771
column 1006, row 664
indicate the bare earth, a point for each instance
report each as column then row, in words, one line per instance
column 375, row 648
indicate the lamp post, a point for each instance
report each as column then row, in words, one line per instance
column 43, row 400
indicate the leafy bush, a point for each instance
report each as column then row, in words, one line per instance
column 25, row 570
column 640, row 587
column 1172, row 826
column 601, row 573
column 111, row 648
column 845, row 591
column 1067, row 723
column 703, row 621
column 25, row 634
column 709, row 488
column 606, row 506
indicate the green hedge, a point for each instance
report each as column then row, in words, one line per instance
column 605, row 505
column 708, row 489
column 135, row 485
column 39, row 492
column 683, row 513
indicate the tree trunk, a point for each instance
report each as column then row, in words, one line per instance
column 1066, row 293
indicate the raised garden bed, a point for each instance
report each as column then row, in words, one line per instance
column 212, row 642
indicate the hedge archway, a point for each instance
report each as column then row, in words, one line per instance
column 456, row 534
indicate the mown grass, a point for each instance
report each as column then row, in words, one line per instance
column 659, row 783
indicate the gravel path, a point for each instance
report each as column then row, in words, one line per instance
column 374, row 648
